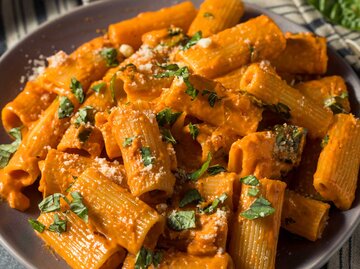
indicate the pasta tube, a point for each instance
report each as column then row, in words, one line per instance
column 305, row 53
column 301, row 111
column 304, row 216
column 130, row 31
column 106, row 201
column 255, row 40
column 145, row 156
column 337, row 171
column 253, row 241
column 231, row 81
column 79, row 246
column 215, row 16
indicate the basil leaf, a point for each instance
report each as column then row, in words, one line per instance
column 172, row 67
column 71, row 184
column 214, row 205
column 145, row 257
column 112, row 86
column 194, row 130
column 98, row 87
column 59, row 225
column 195, row 38
column 282, row 109
column 212, row 98
column 36, row 225
column 83, row 116
column 110, row 54
column 6, row 150
column 167, row 136
column 77, row 90
column 146, row 156
column 66, row 108
column 128, row 141
column 50, row 203
column 173, row 31
column 325, row 141
column 166, row 116
column 208, row 15
column 253, row 191
column 157, row 258
column 191, row 91
column 181, row 220
column 78, row 207
column 215, row 169
column 250, row 180
column 84, row 135
column 191, row 196
column 260, row 208
column 198, row 173
column 334, row 103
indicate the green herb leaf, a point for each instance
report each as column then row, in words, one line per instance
column 6, row 150
column 250, row 180
column 334, row 103
column 198, row 173
column 208, row 15
column 253, row 191
column 194, row 130
column 112, row 86
column 71, row 184
column 146, row 156
column 191, row 91
column 260, row 208
column 66, row 108
column 325, row 141
column 195, row 38
column 145, row 257
column 172, row 67
column 128, row 141
column 157, row 258
column 173, row 31
column 59, row 225
column 215, row 169
column 166, row 116
column 181, row 220
column 212, row 98
column 214, row 205
column 110, row 54
column 98, row 87
column 77, row 90
column 191, row 196
column 36, row 225
column 83, row 116
column 84, row 135
column 51, row 203
column 167, row 136
column 78, row 207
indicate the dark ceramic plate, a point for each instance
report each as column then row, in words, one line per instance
column 75, row 28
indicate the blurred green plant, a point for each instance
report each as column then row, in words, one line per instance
column 343, row 12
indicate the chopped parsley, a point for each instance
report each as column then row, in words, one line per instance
column 167, row 136
column 253, row 191
column 110, row 56
column 215, row 169
column 260, row 208
column 6, row 150
column 78, row 207
column 250, row 180
column 112, row 86
column 208, row 15
column 84, row 135
column 83, row 116
column 146, row 157
column 325, row 141
column 50, row 203
column 193, row 40
column 37, row 225
column 59, row 225
column 66, row 107
column 77, row 90
column 128, row 141
column 145, row 257
column 334, row 103
column 191, row 196
column 198, row 173
column 214, row 205
column 98, row 87
column 181, row 220
column 212, row 97
column 167, row 117
column 194, row 130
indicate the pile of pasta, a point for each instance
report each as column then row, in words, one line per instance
column 182, row 139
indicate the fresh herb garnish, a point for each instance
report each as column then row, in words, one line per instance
column 51, row 203
column 190, row 196
column 112, row 86
column 166, row 116
column 98, row 87
column 171, row 67
column 212, row 98
column 194, row 130
column 133, row 66
column 66, row 107
column 84, row 135
column 78, row 207
column 110, row 54
column 71, row 184
column 77, row 90
column 83, row 116
column 334, row 103
column 167, row 136
column 6, row 150
column 208, row 15
column 325, row 141
column 128, row 141
column 215, row 169
column 59, row 225
column 252, row 191
column 146, row 156
column 198, row 173
column 173, row 31
column 214, row 205
column 145, row 257
column 250, row 180
column 194, row 39
column 282, row 109
column 181, row 220
column 260, row 208
column 36, row 225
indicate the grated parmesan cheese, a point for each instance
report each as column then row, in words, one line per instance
column 126, row 50
column 204, row 42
